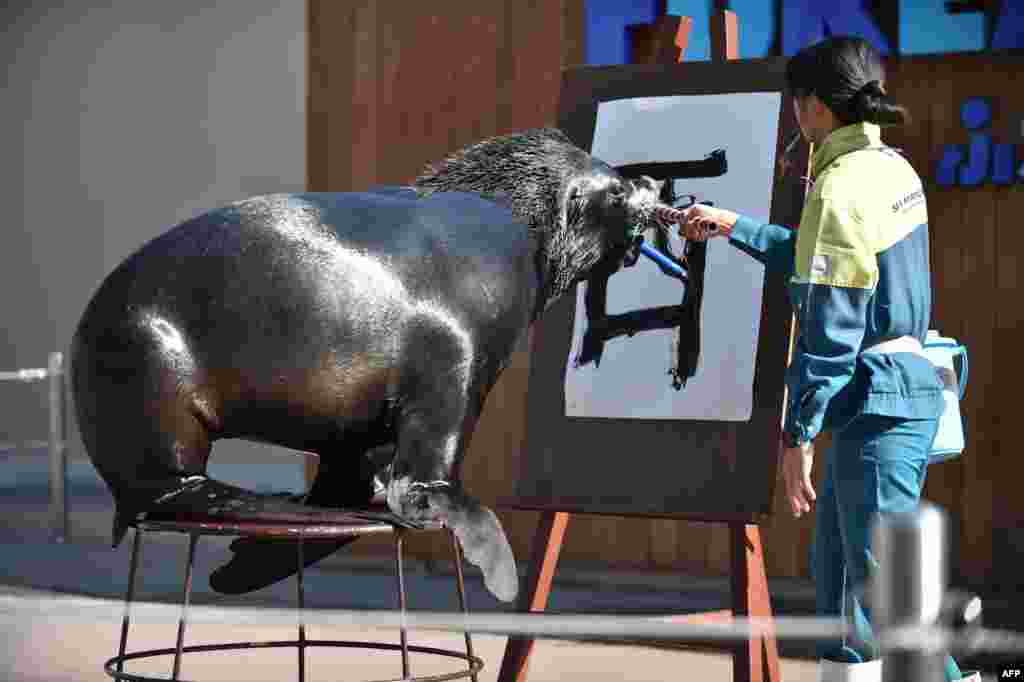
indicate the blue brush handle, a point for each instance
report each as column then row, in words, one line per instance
column 661, row 259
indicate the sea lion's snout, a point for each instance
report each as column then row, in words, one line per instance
column 643, row 195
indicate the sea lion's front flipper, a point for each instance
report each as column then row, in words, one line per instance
column 484, row 545
column 482, row 540
column 595, row 300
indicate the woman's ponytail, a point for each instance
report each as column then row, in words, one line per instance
column 872, row 104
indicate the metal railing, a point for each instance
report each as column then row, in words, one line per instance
column 56, row 443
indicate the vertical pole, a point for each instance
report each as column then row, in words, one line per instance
column 302, row 605
column 755, row 659
column 187, row 593
column 401, row 602
column 460, row 581
column 57, row 442
column 725, row 35
column 136, row 545
column 547, row 544
column 909, row 589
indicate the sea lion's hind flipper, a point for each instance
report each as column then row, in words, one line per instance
column 258, row 562
column 199, row 498
column 207, row 499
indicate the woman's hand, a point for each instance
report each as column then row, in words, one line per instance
column 701, row 222
column 796, row 473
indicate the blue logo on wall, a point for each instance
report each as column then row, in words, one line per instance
column 980, row 159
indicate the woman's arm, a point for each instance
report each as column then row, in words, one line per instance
column 833, row 272
column 772, row 245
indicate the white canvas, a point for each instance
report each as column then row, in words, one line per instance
column 632, row 380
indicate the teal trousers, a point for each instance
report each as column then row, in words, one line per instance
column 876, row 465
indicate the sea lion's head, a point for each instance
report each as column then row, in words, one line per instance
column 582, row 212
column 605, row 214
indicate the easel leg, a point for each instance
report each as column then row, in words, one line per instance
column 755, row 660
column 547, row 543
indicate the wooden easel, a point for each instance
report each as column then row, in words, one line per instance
column 757, row 659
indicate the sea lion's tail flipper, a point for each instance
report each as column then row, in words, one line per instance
column 258, row 561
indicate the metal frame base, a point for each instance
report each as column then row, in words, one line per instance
column 474, row 662
column 114, row 667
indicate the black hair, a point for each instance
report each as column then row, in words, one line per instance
column 846, row 73
column 526, row 170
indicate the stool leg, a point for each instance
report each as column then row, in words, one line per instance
column 401, row 603
column 302, row 605
column 129, row 596
column 184, row 604
column 461, row 582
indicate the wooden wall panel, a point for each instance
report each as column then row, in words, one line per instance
column 974, row 249
column 1008, row 507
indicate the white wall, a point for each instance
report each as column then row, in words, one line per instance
column 117, row 123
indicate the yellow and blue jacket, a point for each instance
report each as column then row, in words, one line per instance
column 859, row 275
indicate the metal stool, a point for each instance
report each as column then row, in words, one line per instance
column 336, row 526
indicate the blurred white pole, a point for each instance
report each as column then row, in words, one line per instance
column 58, row 449
column 909, row 590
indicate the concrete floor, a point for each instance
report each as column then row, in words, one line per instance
column 41, row 651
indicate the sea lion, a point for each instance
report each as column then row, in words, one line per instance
column 342, row 324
